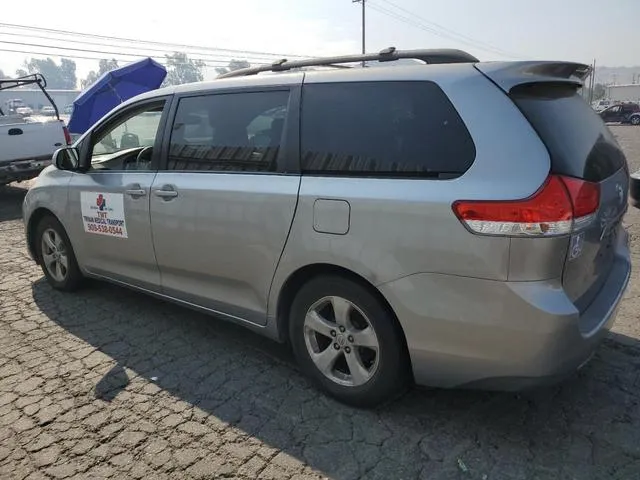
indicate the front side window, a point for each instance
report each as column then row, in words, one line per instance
column 406, row 129
column 234, row 132
column 118, row 145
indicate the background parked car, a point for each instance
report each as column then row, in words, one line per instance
column 24, row 111
column 11, row 106
column 623, row 113
column 49, row 111
column 26, row 142
column 601, row 105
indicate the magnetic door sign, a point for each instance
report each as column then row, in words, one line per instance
column 103, row 213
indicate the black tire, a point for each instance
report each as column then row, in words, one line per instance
column 72, row 277
column 392, row 374
column 635, row 120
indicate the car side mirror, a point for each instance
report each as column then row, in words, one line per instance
column 66, row 158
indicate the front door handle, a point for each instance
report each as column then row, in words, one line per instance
column 135, row 190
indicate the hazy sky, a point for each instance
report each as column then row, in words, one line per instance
column 578, row 30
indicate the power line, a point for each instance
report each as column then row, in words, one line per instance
column 85, row 57
column 114, row 45
column 419, row 22
column 146, row 42
column 450, row 31
column 85, row 50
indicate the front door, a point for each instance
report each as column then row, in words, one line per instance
column 612, row 114
column 222, row 206
column 109, row 204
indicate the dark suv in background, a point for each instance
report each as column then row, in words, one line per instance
column 622, row 113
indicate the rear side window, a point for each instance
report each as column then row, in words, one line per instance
column 578, row 141
column 397, row 129
column 230, row 132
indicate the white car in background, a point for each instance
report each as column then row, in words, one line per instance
column 24, row 111
column 48, row 111
column 601, row 105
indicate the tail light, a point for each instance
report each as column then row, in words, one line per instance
column 67, row 135
column 561, row 206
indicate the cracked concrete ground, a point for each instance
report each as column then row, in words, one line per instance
column 108, row 383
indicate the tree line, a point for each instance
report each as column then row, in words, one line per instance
column 180, row 69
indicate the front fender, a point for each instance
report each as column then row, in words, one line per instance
column 48, row 195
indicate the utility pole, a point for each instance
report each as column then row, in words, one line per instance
column 363, row 26
column 593, row 82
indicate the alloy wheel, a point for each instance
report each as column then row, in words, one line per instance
column 341, row 341
column 54, row 255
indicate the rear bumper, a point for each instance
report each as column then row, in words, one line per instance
column 22, row 169
column 477, row 333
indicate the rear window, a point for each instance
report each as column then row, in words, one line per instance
column 406, row 129
column 579, row 142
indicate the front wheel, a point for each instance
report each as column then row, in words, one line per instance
column 56, row 255
column 348, row 342
column 635, row 120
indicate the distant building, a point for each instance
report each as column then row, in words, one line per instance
column 35, row 99
column 624, row 93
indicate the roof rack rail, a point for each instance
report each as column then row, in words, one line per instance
column 431, row 56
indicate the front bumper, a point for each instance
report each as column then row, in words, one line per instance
column 463, row 331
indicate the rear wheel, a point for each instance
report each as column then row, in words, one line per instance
column 56, row 255
column 347, row 341
column 635, row 120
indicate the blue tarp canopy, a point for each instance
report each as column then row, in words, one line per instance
column 113, row 88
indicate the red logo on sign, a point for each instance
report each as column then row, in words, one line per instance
column 101, row 202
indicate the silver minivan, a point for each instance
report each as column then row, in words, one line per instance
column 449, row 223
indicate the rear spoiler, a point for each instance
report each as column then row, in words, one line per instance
column 507, row 75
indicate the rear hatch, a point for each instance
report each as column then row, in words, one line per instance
column 580, row 146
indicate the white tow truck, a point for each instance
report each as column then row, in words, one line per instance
column 26, row 143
